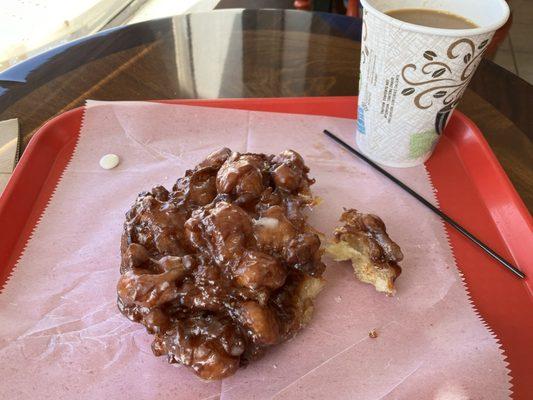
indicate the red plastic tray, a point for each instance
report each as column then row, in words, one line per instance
column 471, row 187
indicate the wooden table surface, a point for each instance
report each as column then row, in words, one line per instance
column 245, row 53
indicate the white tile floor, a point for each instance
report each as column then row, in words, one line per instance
column 28, row 27
column 516, row 53
column 163, row 8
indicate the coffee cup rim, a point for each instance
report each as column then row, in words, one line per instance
column 441, row 31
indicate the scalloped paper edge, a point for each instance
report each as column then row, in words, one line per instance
column 42, row 212
column 466, row 288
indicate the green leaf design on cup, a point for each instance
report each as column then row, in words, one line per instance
column 421, row 143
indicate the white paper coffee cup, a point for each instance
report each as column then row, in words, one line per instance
column 413, row 76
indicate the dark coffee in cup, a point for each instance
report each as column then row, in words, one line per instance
column 432, row 18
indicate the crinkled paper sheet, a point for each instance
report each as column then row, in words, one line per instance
column 62, row 337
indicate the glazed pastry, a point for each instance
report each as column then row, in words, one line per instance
column 224, row 265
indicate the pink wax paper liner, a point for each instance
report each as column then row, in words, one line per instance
column 62, row 337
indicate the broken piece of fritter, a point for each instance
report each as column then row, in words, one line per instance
column 363, row 239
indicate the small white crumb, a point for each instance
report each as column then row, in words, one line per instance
column 109, row 161
column 274, row 366
column 165, row 177
column 267, row 222
column 338, row 299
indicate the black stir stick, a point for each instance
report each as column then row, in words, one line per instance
column 450, row 221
